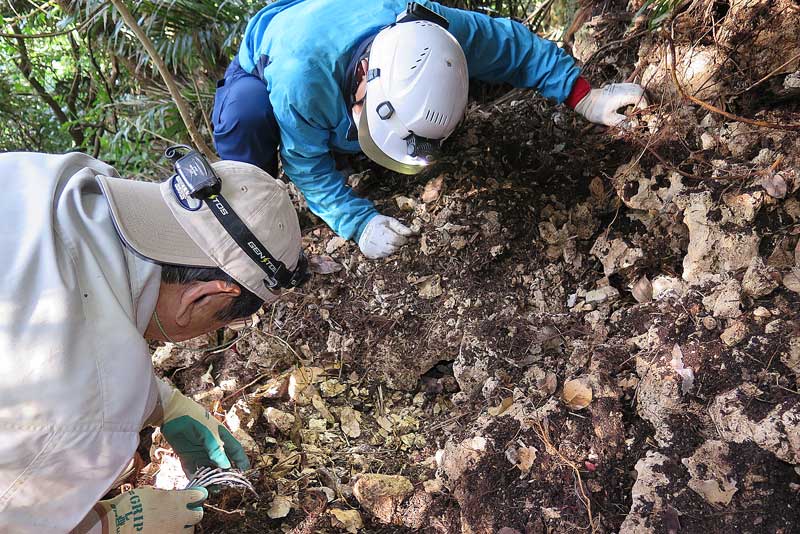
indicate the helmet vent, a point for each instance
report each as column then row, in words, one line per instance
column 440, row 119
column 425, row 52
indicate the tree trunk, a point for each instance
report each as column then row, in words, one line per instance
column 169, row 79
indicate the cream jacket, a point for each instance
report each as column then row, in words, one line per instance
column 76, row 380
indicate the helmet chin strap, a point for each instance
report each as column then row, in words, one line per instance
column 222, row 346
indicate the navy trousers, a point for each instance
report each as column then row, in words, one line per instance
column 244, row 123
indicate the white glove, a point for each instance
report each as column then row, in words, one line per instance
column 600, row 105
column 383, row 236
column 147, row 510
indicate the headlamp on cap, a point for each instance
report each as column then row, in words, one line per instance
column 195, row 175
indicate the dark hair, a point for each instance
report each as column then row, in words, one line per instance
column 245, row 305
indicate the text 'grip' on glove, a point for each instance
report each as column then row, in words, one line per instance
column 383, row 236
column 146, row 510
column 197, row 437
column 600, row 105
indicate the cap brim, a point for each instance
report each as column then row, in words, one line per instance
column 147, row 225
column 377, row 155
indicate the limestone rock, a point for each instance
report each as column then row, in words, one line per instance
column 615, row 254
column 734, row 334
column 778, row 432
column 646, row 501
column 283, row 421
column 600, row 295
column 639, row 192
column 711, row 473
column 759, row 280
column 716, row 245
column 725, row 300
column 659, row 395
column 791, row 357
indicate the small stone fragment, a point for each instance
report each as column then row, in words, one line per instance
column 725, row 301
column 405, row 203
column 349, row 520
column 709, row 322
column 711, row 473
column 759, row 279
column 283, row 421
column 381, row 495
column 433, row 486
column 774, row 185
column 734, row 334
column 601, row 295
column 430, row 286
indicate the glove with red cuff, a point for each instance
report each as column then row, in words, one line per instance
column 600, row 105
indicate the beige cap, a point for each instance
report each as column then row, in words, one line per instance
column 161, row 224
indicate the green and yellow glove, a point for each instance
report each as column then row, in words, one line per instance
column 196, row 436
column 147, row 511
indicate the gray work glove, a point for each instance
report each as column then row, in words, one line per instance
column 383, row 236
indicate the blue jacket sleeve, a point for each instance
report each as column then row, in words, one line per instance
column 308, row 162
column 501, row 50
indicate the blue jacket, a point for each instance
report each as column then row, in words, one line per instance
column 302, row 48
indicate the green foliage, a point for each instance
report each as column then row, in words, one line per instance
column 657, row 11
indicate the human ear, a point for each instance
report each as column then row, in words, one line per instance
column 202, row 300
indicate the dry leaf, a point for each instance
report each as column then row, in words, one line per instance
column 283, row 421
column 349, row 520
column 349, row 420
column 430, row 286
column 577, row 393
column 405, row 203
column 498, row 410
column 597, row 189
column 300, row 379
column 522, row 457
column 792, row 280
column 280, row 507
column 433, row 189
column 320, row 405
column 332, row 388
column 335, row 244
column 797, row 254
column 384, row 423
column 642, row 290
column 774, row 185
column 323, row 265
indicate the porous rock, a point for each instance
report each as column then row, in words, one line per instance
column 778, row 432
column 711, row 473
column 646, row 501
column 759, row 280
column 715, row 247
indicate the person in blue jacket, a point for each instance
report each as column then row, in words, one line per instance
column 385, row 77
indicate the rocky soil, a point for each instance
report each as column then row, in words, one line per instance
column 595, row 330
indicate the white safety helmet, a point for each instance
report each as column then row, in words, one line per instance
column 417, row 87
